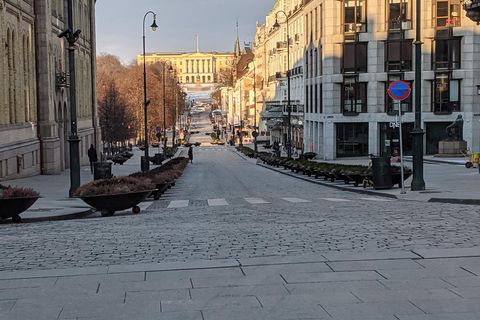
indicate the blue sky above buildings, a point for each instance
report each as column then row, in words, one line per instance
column 119, row 24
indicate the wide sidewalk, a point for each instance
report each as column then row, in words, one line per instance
column 446, row 180
column 428, row 284
column 55, row 202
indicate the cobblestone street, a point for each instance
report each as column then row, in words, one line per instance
column 261, row 213
column 236, row 241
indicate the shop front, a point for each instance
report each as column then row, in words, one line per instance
column 390, row 139
column 352, row 139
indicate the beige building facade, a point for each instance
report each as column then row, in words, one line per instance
column 343, row 56
column 194, row 68
column 34, row 95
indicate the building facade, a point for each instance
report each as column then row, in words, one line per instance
column 280, row 47
column 343, row 56
column 364, row 45
column 195, row 69
column 34, row 105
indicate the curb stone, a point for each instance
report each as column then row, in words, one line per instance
column 369, row 192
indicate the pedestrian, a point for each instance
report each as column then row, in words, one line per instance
column 190, row 154
column 92, row 156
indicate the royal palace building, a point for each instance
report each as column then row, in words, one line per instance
column 195, row 70
column 34, row 86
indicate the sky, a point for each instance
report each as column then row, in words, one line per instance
column 119, row 25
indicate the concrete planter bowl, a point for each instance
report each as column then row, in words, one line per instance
column 108, row 204
column 13, row 207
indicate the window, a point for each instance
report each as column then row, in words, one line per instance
column 355, row 57
column 307, row 103
column 399, row 14
column 446, row 94
column 352, row 139
column 447, row 53
column 448, row 13
column 354, row 98
column 354, row 16
column 398, row 55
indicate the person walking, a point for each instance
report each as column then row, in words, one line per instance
column 92, row 156
column 190, row 154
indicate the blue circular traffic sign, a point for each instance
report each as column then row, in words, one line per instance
column 399, row 90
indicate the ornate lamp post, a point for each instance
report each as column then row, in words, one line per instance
column 145, row 164
column 73, row 140
column 418, row 184
column 289, row 107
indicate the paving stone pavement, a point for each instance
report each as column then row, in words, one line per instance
column 244, row 242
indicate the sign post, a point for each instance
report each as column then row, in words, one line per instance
column 399, row 91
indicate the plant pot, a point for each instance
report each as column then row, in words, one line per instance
column 110, row 203
column 12, row 208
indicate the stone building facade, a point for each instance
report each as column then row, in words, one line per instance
column 363, row 46
column 194, row 68
column 34, row 95
column 343, row 56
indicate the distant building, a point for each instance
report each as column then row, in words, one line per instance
column 195, row 69
column 34, row 103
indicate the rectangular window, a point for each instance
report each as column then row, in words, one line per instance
column 316, row 98
column 399, row 15
column 446, row 94
column 354, row 98
column 307, row 107
column 352, row 139
column 321, row 98
column 447, row 13
column 447, row 53
column 354, row 16
column 398, row 55
column 355, row 57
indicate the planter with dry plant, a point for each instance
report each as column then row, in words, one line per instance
column 110, row 195
column 15, row 200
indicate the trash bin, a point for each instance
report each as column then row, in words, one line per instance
column 157, row 159
column 144, row 163
column 102, row 170
column 381, row 173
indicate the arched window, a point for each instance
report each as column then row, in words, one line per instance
column 187, row 79
column 203, row 79
column 209, row 79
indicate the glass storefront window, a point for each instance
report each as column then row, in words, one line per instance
column 390, row 139
column 352, row 139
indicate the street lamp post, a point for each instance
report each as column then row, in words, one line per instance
column 418, row 184
column 240, row 144
column 175, row 113
column 145, row 164
column 289, row 107
column 73, row 139
column 255, row 129
column 165, row 106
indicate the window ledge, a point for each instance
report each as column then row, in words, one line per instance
column 442, row 113
column 350, row 113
